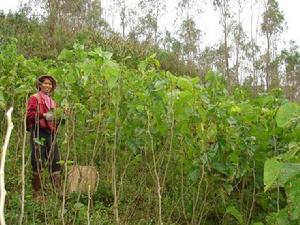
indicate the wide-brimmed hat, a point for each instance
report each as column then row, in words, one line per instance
column 42, row 78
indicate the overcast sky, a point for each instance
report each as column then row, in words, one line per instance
column 209, row 18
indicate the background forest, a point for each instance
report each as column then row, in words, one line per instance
column 179, row 134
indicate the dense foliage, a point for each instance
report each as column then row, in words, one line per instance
column 34, row 41
column 173, row 149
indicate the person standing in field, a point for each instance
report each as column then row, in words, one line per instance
column 42, row 126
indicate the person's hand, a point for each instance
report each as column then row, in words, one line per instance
column 49, row 116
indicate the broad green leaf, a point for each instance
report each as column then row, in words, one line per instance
column 70, row 77
column 202, row 113
column 280, row 218
column 220, row 167
column 184, row 83
column 228, row 188
column 65, row 55
column 294, row 148
column 2, row 101
column 151, row 60
column 88, row 67
column 107, row 55
column 287, row 114
column 82, row 108
column 111, row 72
column 234, row 157
column 288, row 171
column 292, row 189
column 78, row 206
column 101, row 53
column 60, row 162
column 235, row 109
column 210, row 76
column 272, row 170
column 279, row 173
column 39, row 141
column 70, row 162
column 236, row 214
column 295, row 134
column 212, row 132
column 23, row 89
column 194, row 175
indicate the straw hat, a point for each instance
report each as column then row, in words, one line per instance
column 42, row 78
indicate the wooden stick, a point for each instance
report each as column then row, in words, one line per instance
column 3, row 155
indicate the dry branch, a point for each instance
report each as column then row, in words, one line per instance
column 3, row 155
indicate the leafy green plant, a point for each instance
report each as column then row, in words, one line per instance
column 183, row 151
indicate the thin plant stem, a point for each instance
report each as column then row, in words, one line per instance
column 23, row 170
column 253, row 195
column 158, row 186
column 66, row 173
column 114, row 156
column 89, row 205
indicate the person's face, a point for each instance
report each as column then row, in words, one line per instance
column 46, row 86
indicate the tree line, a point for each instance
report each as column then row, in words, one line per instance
column 245, row 58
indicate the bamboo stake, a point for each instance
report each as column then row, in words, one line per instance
column 3, row 155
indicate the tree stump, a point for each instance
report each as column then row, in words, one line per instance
column 81, row 177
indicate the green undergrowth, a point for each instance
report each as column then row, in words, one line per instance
column 212, row 156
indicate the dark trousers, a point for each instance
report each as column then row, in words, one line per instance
column 44, row 151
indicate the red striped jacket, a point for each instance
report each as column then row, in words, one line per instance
column 36, row 108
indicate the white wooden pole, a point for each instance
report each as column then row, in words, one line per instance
column 3, row 155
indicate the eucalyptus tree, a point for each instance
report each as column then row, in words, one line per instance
column 171, row 55
column 189, row 8
column 225, row 15
column 239, row 40
column 27, row 31
column 290, row 59
column 82, row 13
column 63, row 19
column 123, row 11
column 148, row 22
column 271, row 27
column 254, row 50
column 66, row 14
column 128, row 18
column 190, row 37
column 211, row 58
column 167, row 41
column 189, row 33
column 253, row 66
column 94, row 19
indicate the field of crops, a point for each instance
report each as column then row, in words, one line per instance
column 168, row 149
